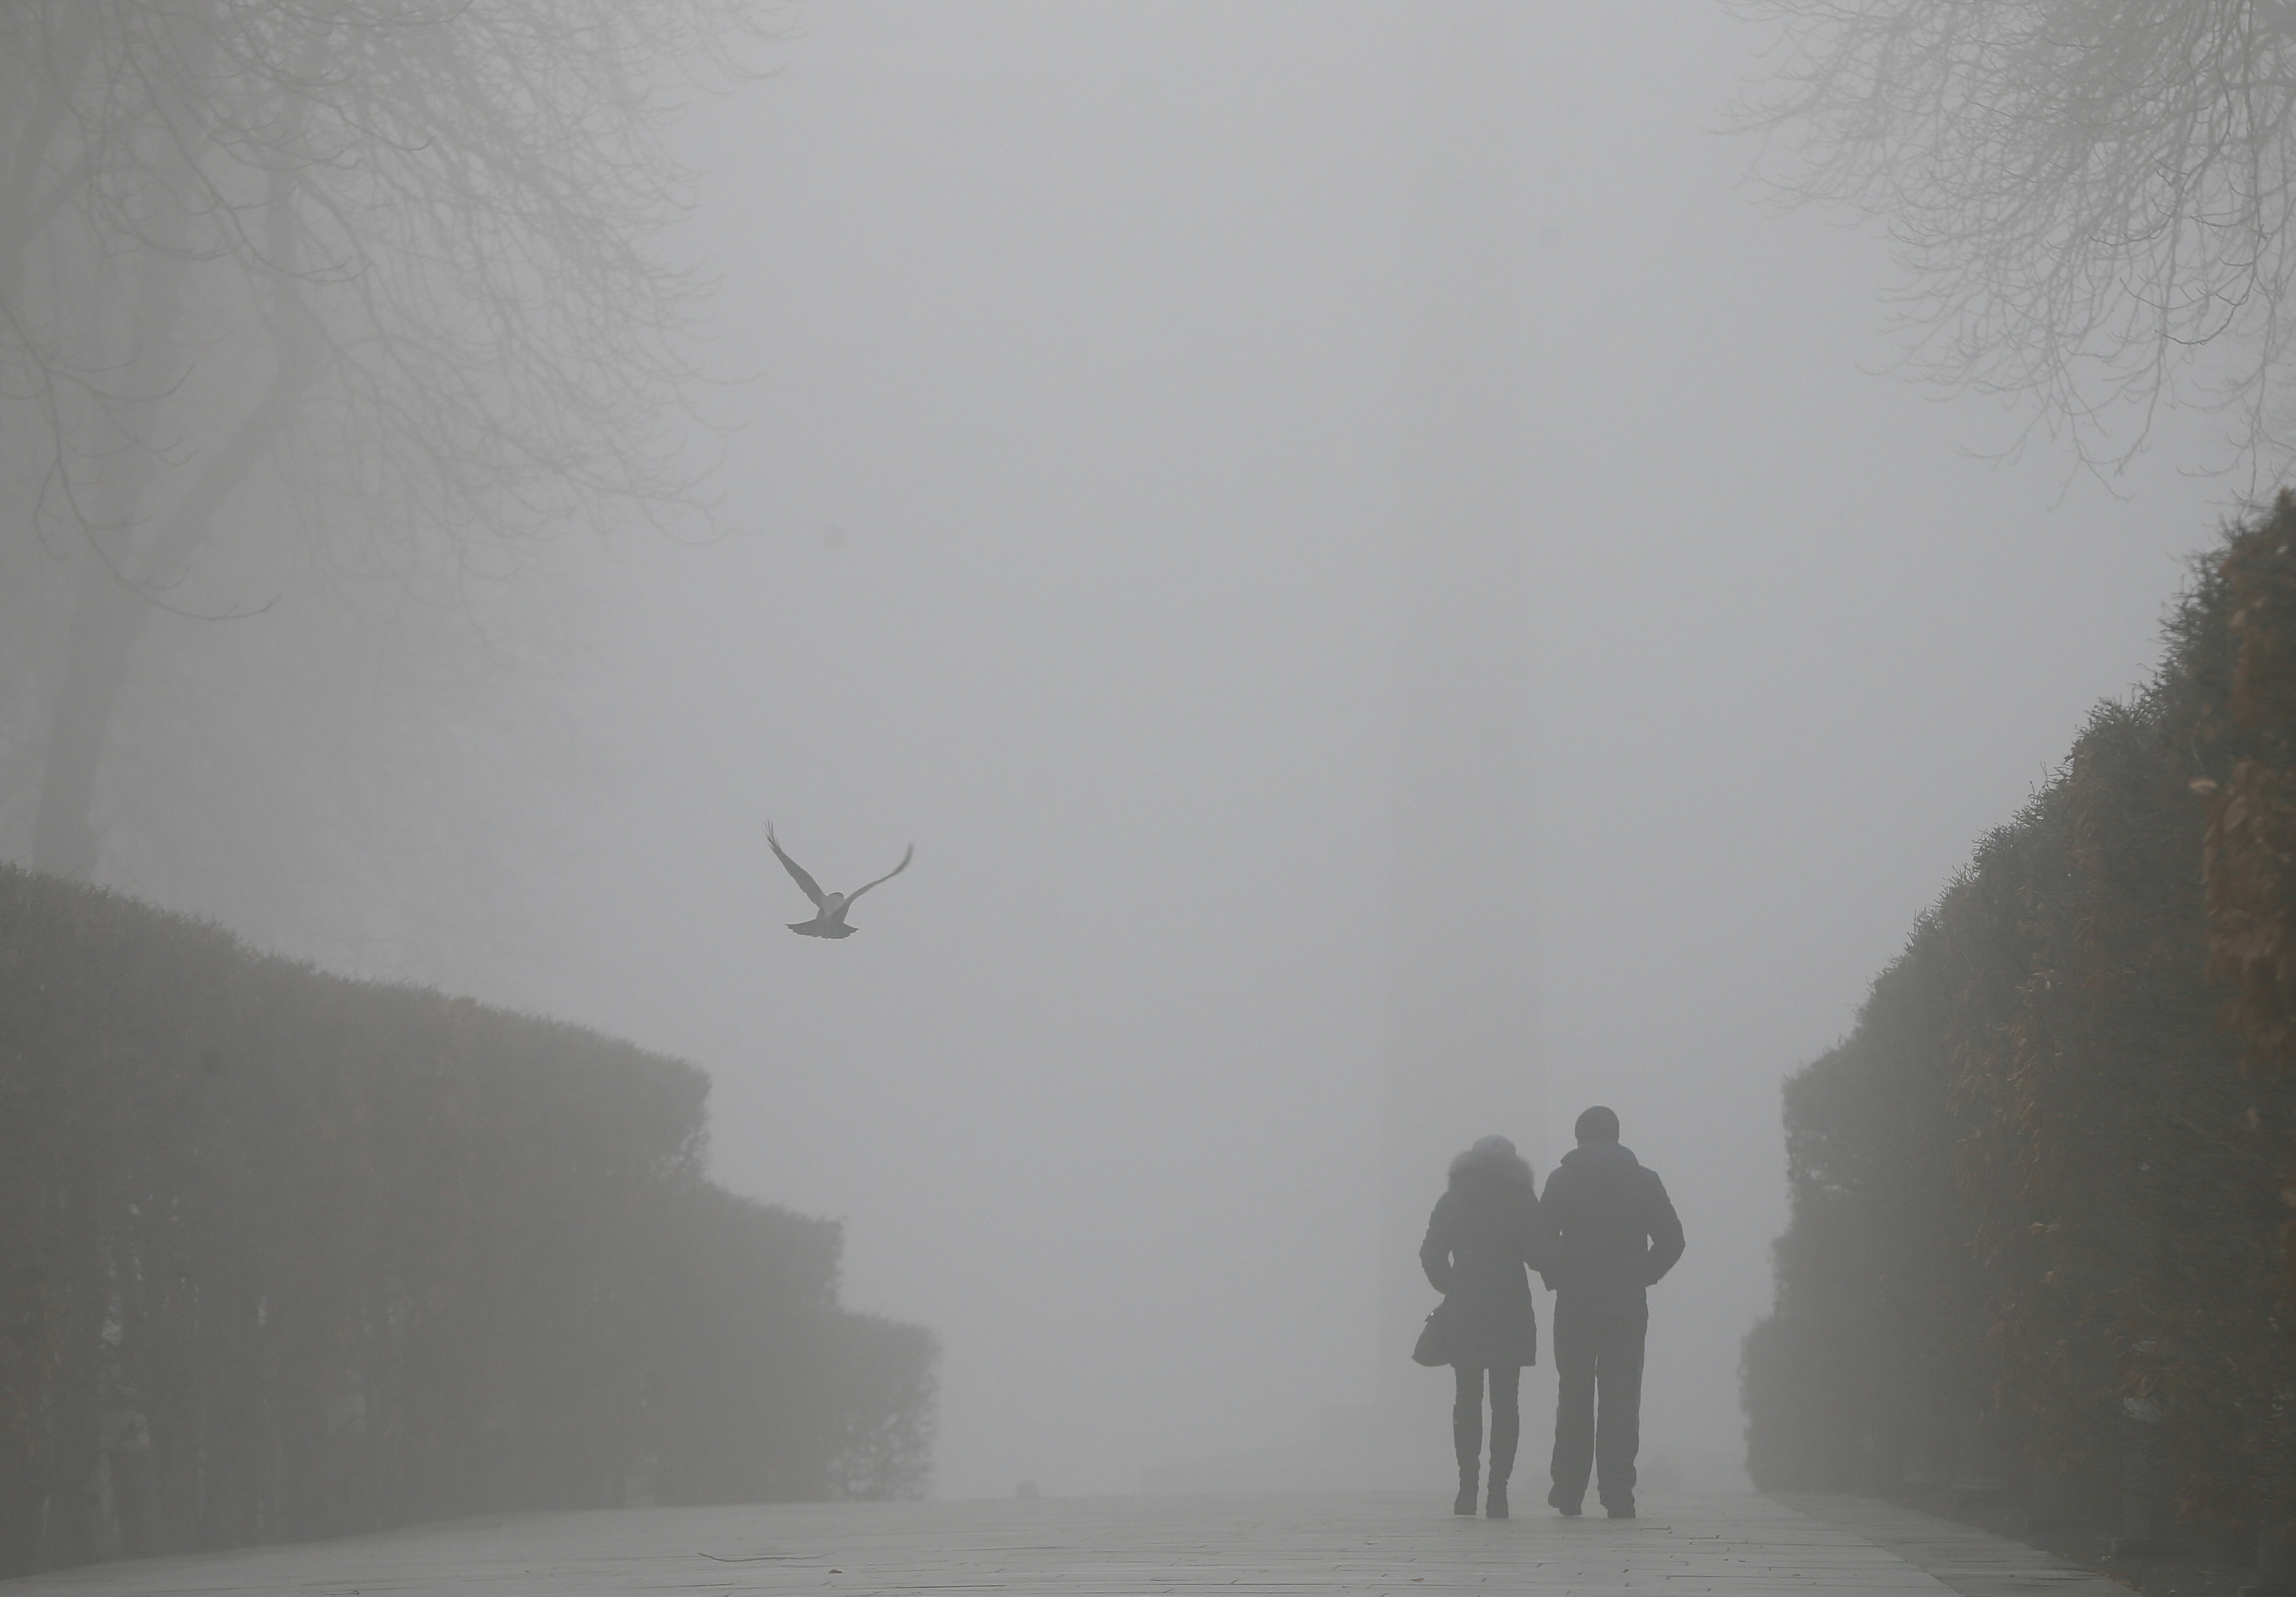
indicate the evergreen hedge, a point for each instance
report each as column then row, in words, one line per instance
column 2041, row 1194
column 284, row 1255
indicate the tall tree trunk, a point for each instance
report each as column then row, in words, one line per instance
column 107, row 615
column 121, row 572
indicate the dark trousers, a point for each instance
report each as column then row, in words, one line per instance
column 1467, row 1418
column 1598, row 1399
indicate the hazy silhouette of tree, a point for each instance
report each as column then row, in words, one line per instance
column 2088, row 196
column 377, row 272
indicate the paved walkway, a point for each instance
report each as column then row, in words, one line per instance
column 1395, row 1545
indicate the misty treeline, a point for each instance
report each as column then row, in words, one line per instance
column 2041, row 1227
column 284, row 1255
column 316, row 322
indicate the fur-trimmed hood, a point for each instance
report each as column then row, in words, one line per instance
column 1483, row 1241
column 1491, row 1163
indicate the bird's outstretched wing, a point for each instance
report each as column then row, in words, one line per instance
column 797, row 872
column 888, row 877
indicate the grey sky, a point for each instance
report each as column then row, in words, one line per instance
column 1066, row 511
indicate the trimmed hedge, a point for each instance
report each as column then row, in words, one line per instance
column 284, row 1255
column 2037, row 1215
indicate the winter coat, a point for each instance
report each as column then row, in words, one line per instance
column 1615, row 1228
column 1483, row 1239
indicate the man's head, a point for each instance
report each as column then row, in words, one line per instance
column 1597, row 1125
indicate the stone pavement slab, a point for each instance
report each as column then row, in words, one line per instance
column 1393, row 1545
column 1966, row 1560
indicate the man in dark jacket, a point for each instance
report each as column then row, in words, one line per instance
column 1615, row 1233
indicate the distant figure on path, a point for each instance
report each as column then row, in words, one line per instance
column 1483, row 1239
column 831, row 907
column 1615, row 1234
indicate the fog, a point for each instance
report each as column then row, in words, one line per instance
column 1075, row 465
column 1094, row 382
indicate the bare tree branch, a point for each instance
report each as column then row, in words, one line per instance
column 2093, row 198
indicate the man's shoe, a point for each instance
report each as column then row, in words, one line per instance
column 1496, row 1508
column 1464, row 1502
column 1554, row 1500
column 1626, row 1513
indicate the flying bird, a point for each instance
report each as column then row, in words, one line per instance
column 832, row 907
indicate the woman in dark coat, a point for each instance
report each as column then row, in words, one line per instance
column 1483, row 1241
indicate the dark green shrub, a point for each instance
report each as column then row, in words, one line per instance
column 284, row 1255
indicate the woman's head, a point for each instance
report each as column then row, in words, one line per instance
column 1491, row 1159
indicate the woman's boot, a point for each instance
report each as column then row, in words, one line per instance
column 1507, row 1430
column 1467, row 1442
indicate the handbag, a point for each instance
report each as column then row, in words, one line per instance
column 1433, row 1348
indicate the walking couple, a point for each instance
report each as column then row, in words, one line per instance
column 1602, row 1232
